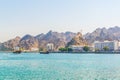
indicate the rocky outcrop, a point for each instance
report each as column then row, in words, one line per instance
column 78, row 40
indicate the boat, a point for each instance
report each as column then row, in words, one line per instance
column 44, row 52
column 17, row 52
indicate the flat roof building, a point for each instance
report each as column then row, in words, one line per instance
column 111, row 45
column 76, row 48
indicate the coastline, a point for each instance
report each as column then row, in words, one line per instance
column 87, row 52
column 55, row 52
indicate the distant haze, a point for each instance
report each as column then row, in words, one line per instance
column 20, row 17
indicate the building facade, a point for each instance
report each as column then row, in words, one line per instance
column 76, row 48
column 50, row 47
column 111, row 45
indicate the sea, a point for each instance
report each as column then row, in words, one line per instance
column 59, row 66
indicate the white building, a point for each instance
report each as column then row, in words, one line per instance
column 91, row 47
column 34, row 49
column 112, row 45
column 50, row 47
column 16, row 48
column 76, row 48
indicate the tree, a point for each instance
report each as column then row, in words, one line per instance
column 106, row 48
column 62, row 49
column 65, row 49
column 86, row 48
column 97, row 50
column 41, row 49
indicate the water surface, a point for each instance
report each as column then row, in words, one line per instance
column 32, row 66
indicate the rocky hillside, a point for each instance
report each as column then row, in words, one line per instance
column 102, row 34
column 78, row 40
column 58, row 39
column 62, row 39
column 40, row 41
column 10, row 44
column 28, row 42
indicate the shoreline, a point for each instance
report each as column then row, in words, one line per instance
column 87, row 52
column 107, row 52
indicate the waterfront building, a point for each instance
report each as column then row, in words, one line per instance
column 79, row 48
column 111, row 45
column 91, row 47
column 50, row 47
column 34, row 49
column 31, row 49
column 76, row 48
column 16, row 48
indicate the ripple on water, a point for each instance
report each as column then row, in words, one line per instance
column 59, row 67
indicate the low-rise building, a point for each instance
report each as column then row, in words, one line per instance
column 16, row 48
column 76, row 48
column 91, row 47
column 34, row 49
column 111, row 45
column 50, row 47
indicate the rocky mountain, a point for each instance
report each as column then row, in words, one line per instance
column 58, row 39
column 101, row 34
column 29, row 42
column 10, row 44
column 69, row 36
column 78, row 40
column 62, row 39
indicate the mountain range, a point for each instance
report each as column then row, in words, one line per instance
column 28, row 42
column 62, row 39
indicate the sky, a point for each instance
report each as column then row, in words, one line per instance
column 20, row 17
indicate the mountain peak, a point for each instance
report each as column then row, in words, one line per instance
column 17, row 37
column 26, row 37
column 79, row 34
column 50, row 31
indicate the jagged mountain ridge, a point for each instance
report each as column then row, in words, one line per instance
column 28, row 41
column 101, row 34
column 61, row 39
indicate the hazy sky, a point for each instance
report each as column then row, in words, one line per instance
column 20, row 17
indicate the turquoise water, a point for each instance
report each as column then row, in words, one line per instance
column 31, row 66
